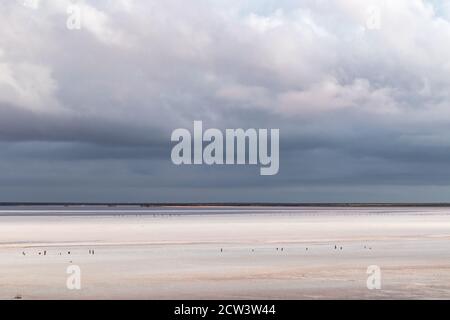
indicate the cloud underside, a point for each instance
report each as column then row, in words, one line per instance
column 363, row 109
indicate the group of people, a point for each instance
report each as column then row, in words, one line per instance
column 91, row 252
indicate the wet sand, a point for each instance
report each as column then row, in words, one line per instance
column 281, row 253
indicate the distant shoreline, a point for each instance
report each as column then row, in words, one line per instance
column 225, row 204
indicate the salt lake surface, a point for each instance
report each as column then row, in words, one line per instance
column 224, row 252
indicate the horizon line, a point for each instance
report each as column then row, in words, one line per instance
column 230, row 204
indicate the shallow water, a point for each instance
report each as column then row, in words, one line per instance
column 231, row 253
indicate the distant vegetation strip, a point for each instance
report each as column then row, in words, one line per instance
column 225, row 204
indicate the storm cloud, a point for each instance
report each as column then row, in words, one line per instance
column 359, row 91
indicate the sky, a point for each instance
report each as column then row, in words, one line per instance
column 360, row 91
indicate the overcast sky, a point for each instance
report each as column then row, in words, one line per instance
column 360, row 91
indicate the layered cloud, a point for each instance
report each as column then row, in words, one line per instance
column 359, row 90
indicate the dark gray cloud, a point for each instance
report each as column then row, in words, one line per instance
column 363, row 112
